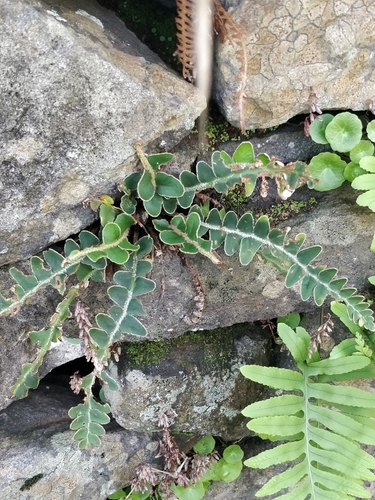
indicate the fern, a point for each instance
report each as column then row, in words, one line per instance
column 29, row 378
column 89, row 417
column 200, row 231
column 121, row 317
column 247, row 238
column 28, row 285
column 224, row 173
column 322, row 425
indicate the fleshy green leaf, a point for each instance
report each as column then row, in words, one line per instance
column 344, row 132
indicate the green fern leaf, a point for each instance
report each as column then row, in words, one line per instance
column 89, row 417
column 247, row 238
column 121, row 319
column 322, row 423
column 29, row 378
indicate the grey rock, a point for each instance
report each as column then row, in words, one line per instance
column 198, row 377
column 39, row 459
column 294, row 49
column 77, row 91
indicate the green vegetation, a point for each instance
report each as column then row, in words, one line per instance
column 155, row 26
column 215, row 346
column 189, row 482
column 320, row 420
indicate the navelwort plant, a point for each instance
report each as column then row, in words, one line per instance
column 354, row 160
column 191, row 228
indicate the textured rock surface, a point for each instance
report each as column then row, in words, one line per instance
column 40, row 460
column 198, row 377
column 77, row 90
column 294, row 48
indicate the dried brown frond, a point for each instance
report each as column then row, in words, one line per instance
column 84, row 324
column 185, row 38
column 75, row 383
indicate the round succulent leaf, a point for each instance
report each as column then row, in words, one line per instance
column 192, row 492
column 353, row 170
column 146, row 189
column 153, row 206
column 169, row 186
column 368, row 163
column 205, row 446
column 318, row 127
column 365, row 181
column 292, row 320
column 370, row 129
column 367, row 199
column 227, row 472
column 344, row 132
column 360, row 150
column 233, row 454
column 328, row 169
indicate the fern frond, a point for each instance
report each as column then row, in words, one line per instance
column 223, row 174
column 29, row 378
column 89, row 417
column 27, row 285
column 321, row 422
column 129, row 285
column 185, row 38
column 249, row 238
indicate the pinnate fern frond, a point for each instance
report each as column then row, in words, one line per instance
column 322, row 424
column 130, row 284
column 159, row 190
column 249, row 238
column 55, row 274
column 89, row 416
column 29, row 378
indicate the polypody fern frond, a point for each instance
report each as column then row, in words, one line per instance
column 249, row 238
column 29, row 378
column 121, row 317
column 159, row 190
column 27, row 285
column 89, row 416
column 322, row 424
